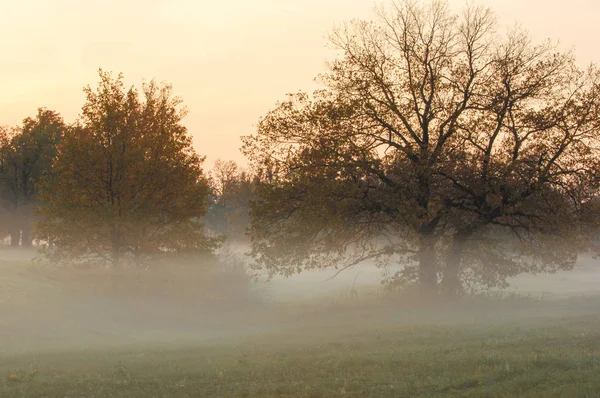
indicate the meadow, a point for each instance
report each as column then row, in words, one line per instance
column 63, row 338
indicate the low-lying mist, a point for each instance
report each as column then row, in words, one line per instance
column 48, row 309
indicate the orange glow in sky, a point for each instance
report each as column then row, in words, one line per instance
column 229, row 60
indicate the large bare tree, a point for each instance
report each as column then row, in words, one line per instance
column 431, row 129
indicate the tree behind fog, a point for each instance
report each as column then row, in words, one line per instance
column 231, row 192
column 126, row 184
column 462, row 154
column 26, row 155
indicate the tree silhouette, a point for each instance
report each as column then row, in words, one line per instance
column 433, row 142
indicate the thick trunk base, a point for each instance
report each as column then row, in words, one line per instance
column 428, row 283
column 450, row 286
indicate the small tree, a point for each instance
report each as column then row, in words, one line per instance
column 127, row 183
column 431, row 129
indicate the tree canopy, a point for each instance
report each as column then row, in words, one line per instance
column 126, row 183
column 461, row 153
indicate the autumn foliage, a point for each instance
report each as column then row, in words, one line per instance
column 126, row 183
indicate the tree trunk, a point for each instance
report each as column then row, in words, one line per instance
column 137, row 256
column 450, row 285
column 427, row 266
column 116, row 245
column 116, row 257
column 116, row 269
column 26, row 235
column 428, row 283
column 15, row 237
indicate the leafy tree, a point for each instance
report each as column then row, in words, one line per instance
column 434, row 138
column 26, row 156
column 127, row 183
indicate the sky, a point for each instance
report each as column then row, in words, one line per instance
column 229, row 60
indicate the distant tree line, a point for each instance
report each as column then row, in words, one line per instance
column 26, row 155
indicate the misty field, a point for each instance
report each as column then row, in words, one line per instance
column 64, row 336
column 550, row 357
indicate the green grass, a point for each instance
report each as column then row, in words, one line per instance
column 548, row 357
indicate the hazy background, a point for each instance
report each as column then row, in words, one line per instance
column 230, row 61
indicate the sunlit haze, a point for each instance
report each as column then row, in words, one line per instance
column 230, row 61
column 429, row 227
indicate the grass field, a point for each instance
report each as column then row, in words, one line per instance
column 57, row 340
column 548, row 357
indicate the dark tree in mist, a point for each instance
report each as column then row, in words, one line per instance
column 26, row 155
column 126, row 184
column 463, row 154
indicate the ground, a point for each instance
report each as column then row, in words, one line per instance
column 73, row 334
